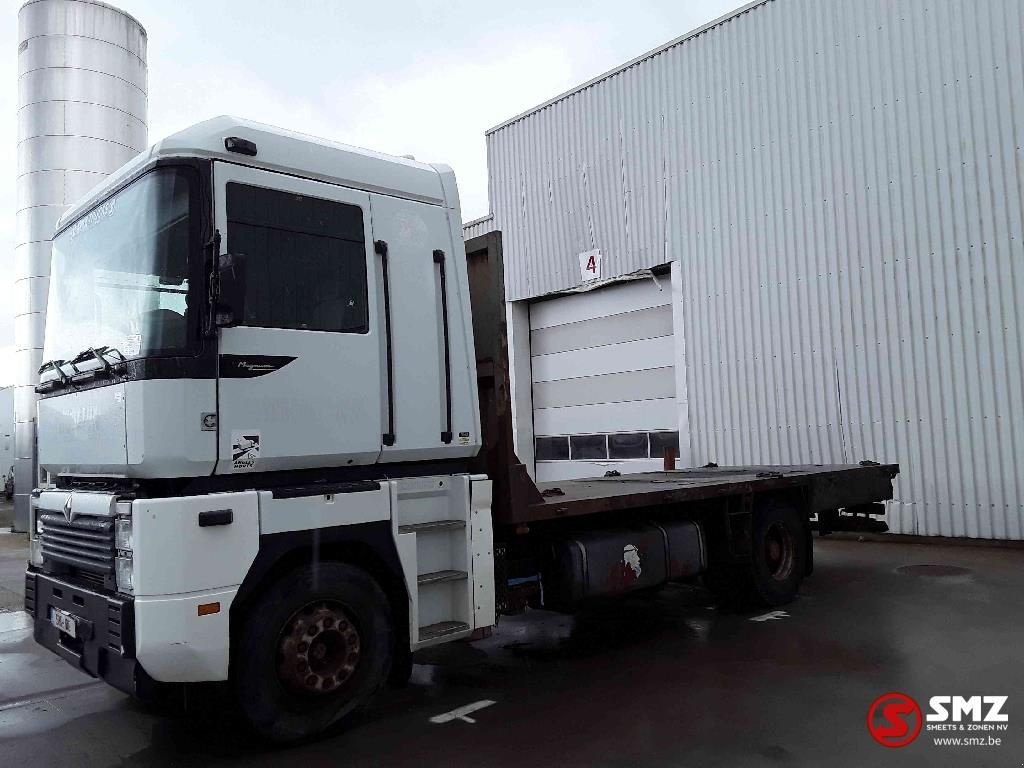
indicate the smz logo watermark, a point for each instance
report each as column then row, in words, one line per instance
column 895, row 720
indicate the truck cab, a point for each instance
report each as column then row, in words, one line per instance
column 259, row 352
column 218, row 301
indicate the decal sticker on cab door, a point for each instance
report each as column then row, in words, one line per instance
column 245, row 448
column 251, row 366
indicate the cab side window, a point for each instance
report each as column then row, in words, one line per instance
column 302, row 261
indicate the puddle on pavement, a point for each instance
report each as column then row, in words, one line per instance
column 931, row 571
column 11, row 621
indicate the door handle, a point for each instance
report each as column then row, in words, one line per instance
column 446, row 435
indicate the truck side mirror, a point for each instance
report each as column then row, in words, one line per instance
column 228, row 264
column 231, row 293
column 225, row 316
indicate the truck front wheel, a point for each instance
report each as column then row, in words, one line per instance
column 777, row 564
column 311, row 651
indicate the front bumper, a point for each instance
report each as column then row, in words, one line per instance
column 105, row 646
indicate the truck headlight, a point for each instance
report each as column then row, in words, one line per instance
column 35, row 552
column 123, row 534
column 123, row 573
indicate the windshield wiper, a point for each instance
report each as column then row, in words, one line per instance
column 99, row 353
column 96, row 353
column 55, row 365
column 105, row 350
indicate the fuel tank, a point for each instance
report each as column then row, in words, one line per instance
column 610, row 562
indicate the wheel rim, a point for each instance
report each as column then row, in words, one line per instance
column 318, row 649
column 779, row 551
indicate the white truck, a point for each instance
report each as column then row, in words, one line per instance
column 275, row 409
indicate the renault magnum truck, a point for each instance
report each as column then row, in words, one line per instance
column 275, row 411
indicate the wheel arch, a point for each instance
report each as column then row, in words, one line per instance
column 368, row 546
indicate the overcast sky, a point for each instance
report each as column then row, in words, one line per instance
column 400, row 76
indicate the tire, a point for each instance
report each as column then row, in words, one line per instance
column 312, row 651
column 158, row 698
column 778, row 563
column 401, row 668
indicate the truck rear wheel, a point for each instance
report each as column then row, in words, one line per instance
column 777, row 565
column 311, row 651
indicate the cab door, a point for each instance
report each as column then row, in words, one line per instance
column 300, row 366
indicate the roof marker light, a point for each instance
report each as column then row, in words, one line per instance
column 241, row 146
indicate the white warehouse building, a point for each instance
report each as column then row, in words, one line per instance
column 791, row 236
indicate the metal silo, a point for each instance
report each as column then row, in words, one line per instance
column 82, row 99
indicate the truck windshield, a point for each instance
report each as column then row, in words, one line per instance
column 119, row 274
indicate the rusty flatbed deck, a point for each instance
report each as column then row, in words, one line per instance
column 829, row 486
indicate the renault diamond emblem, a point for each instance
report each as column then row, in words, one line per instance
column 68, row 514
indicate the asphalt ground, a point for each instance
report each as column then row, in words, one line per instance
column 656, row 681
column 6, row 513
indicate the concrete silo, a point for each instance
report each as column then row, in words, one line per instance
column 82, row 103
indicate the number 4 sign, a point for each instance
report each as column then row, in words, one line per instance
column 590, row 265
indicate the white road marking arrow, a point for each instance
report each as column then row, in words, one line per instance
column 462, row 712
column 771, row 616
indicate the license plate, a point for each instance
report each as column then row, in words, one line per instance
column 63, row 621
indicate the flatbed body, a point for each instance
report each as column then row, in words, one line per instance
column 827, row 486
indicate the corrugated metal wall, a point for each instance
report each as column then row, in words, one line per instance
column 841, row 183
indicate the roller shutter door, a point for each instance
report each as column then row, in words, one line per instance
column 603, row 381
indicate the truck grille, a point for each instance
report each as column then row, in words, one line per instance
column 85, row 544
